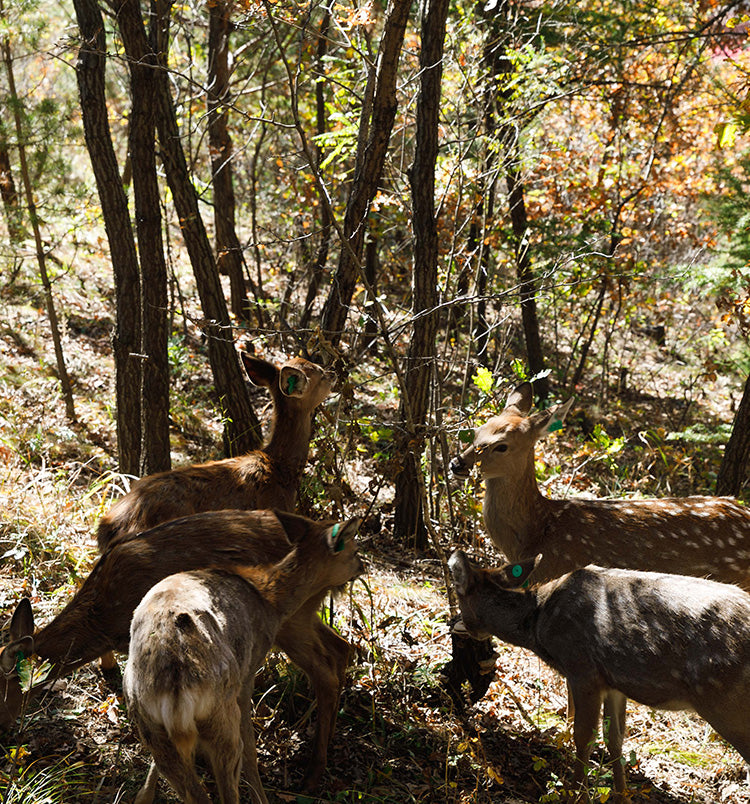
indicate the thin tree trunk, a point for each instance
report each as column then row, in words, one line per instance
column 9, row 194
column 242, row 429
column 733, row 470
column 153, row 268
column 326, row 224
column 126, row 339
column 62, row 371
column 365, row 182
column 418, row 378
column 230, row 261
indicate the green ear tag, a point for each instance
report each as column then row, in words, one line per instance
column 517, row 571
column 19, row 659
column 290, row 383
column 555, row 425
column 339, row 545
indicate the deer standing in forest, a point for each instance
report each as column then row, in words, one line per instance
column 264, row 478
column 97, row 619
column 667, row 641
column 702, row 536
column 197, row 639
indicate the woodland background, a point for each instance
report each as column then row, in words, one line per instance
column 438, row 200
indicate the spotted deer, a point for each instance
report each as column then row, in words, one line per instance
column 264, row 478
column 701, row 536
column 667, row 641
column 97, row 619
column 198, row 638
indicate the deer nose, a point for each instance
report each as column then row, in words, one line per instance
column 458, row 467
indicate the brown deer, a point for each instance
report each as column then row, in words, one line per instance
column 264, row 478
column 702, row 536
column 197, row 640
column 667, row 641
column 97, row 619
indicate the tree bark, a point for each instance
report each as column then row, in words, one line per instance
column 142, row 63
column 418, row 377
column 242, row 429
column 366, row 179
column 229, row 259
column 733, row 470
column 126, row 338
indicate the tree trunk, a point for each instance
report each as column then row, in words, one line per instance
column 365, row 182
column 733, row 469
column 126, row 339
column 418, row 376
column 153, row 268
column 242, row 429
column 230, row 261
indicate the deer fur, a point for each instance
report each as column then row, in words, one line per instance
column 97, row 619
column 197, row 639
column 667, row 641
column 702, row 536
column 264, row 478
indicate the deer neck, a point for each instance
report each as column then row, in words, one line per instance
column 513, row 511
column 289, row 442
column 284, row 586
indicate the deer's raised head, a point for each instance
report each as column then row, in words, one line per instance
column 504, row 445
column 295, row 380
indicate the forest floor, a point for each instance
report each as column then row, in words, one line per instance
column 400, row 737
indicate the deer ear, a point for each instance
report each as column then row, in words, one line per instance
column 462, row 571
column 21, row 639
column 521, row 399
column 340, row 533
column 260, row 372
column 292, row 381
column 516, row 575
column 548, row 421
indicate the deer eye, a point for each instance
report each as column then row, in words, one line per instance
column 500, row 448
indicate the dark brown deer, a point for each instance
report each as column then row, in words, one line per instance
column 667, row 641
column 265, row 478
column 97, row 619
column 197, row 640
column 702, row 536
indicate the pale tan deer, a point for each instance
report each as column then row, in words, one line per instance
column 197, row 640
column 702, row 536
column 667, row 641
column 264, row 478
column 97, row 619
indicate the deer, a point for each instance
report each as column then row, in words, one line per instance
column 197, row 640
column 664, row 640
column 262, row 479
column 701, row 536
column 97, row 619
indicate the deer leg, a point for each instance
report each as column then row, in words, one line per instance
column 250, row 756
column 323, row 655
column 588, row 704
column 176, row 763
column 614, row 720
column 107, row 661
column 222, row 742
column 148, row 791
